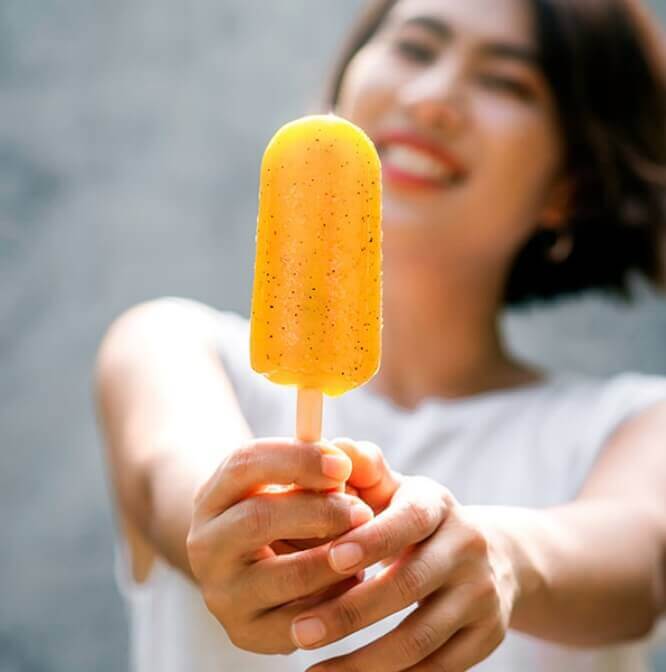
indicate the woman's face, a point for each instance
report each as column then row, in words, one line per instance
column 452, row 94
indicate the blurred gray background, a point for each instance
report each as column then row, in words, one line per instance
column 130, row 138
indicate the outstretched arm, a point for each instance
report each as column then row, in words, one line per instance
column 595, row 570
column 189, row 478
column 588, row 573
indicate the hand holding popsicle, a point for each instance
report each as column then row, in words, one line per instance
column 251, row 583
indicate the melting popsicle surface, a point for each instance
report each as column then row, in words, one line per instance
column 316, row 304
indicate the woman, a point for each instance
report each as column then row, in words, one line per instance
column 524, row 157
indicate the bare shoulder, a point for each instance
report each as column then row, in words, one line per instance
column 632, row 461
column 160, row 359
column 151, row 333
column 167, row 317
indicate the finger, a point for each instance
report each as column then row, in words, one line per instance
column 274, row 624
column 331, row 592
column 418, row 508
column 422, row 633
column 371, row 474
column 466, row 648
column 268, row 631
column 316, row 466
column 299, row 514
column 411, row 579
column 351, row 490
column 284, row 579
column 299, row 544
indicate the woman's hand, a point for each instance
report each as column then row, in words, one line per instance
column 458, row 572
column 233, row 548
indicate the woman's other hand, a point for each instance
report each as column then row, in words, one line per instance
column 459, row 573
column 371, row 477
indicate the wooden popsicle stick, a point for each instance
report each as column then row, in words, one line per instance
column 308, row 415
column 308, row 419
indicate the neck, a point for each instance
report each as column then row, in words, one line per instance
column 441, row 336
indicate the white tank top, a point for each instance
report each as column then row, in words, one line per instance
column 530, row 447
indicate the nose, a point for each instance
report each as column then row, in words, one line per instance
column 434, row 96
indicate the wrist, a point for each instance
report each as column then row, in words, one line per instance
column 517, row 562
column 170, row 484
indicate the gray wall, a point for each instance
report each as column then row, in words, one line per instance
column 130, row 138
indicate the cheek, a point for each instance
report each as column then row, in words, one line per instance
column 522, row 155
column 367, row 88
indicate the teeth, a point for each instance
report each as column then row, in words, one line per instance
column 411, row 160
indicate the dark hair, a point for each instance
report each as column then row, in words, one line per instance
column 604, row 61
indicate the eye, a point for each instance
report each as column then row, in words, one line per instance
column 509, row 85
column 415, row 51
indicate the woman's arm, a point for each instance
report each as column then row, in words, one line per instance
column 168, row 416
column 594, row 571
column 189, row 478
column 589, row 573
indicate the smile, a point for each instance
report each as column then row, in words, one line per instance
column 409, row 161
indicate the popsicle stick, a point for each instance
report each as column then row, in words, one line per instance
column 308, row 415
column 308, row 419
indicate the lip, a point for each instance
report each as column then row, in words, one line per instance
column 435, row 150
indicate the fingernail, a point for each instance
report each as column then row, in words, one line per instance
column 360, row 514
column 307, row 631
column 345, row 556
column 336, row 467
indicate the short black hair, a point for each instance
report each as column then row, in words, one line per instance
column 604, row 61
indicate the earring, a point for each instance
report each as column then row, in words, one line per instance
column 561, row 247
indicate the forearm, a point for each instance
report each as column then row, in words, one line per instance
column 588, row 573
column 155, row 492
column 169, row 483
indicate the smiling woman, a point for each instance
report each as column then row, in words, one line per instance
column 602, row 64
column 523, row 156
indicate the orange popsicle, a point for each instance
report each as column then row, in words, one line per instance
column 316, row 304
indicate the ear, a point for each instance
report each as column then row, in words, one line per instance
column 558, row 206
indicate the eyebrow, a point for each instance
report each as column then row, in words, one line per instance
column 503, row 50
column 431, row 24
column 512, row 52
